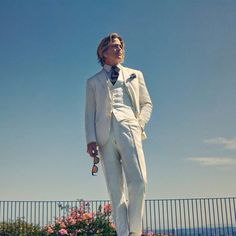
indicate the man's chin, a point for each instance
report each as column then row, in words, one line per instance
column 119, row 60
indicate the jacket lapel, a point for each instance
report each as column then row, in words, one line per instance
column 103, row 81
column 128, row 85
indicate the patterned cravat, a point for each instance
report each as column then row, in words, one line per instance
column 114, row 74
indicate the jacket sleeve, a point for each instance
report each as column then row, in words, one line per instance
column 144, row 102
column 90, row 113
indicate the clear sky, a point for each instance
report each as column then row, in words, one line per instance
column 187, row 53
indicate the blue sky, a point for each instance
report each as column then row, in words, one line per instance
column 187, row 53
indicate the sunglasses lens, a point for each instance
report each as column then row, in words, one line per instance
column 94, row 169
column 96, row 160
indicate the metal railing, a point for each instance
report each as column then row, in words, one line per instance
column 182, row 217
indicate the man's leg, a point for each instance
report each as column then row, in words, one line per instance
column 110, row 159
column 133, row 162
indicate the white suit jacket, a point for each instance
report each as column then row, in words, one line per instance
column 98, row 108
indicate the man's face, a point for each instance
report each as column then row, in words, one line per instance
column 115, row 53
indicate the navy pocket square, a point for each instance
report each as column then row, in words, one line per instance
column 132, row 76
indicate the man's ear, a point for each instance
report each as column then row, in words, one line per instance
column 105, row 54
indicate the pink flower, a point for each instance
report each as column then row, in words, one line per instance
column 74, row 214
column 58, row 221
column 113, row 226
column 70, row 220
column 50, row 230
column 150, row 234
column 107, row 209
column 62, row 225
column 87, row 216
column 62, row 231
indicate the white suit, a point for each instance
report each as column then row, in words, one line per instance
column 119, row 139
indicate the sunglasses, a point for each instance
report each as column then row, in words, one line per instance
column 95, row 162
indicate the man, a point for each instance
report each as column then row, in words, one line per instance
column 117, row 108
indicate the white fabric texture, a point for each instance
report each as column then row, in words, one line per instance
column 120, row 101
column 98, row 108
column 124, row 150
column 115, row 118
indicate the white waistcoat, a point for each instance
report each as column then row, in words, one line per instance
column 121, row 103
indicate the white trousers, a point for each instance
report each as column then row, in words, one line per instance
column 123, row 150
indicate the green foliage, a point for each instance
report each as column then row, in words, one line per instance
column 19, row 227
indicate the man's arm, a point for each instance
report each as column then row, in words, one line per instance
column 90, row 112
column 144, row 101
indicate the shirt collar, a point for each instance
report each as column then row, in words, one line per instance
column 108, row 67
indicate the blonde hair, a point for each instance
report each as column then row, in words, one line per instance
column 104, row 44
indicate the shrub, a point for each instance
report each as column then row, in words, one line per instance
column 19, row 227
column 81, row 221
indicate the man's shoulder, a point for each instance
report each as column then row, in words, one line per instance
column 132, row 70
column 94, row 76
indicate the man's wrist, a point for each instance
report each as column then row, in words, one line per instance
column 142, row 124
column 93, row 142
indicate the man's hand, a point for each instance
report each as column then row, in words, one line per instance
column 92, row 149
